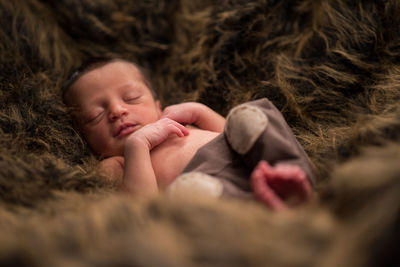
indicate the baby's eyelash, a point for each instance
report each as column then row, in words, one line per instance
column 93, row 119
column 132, row 98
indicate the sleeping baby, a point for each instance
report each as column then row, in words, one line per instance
column 185, row 147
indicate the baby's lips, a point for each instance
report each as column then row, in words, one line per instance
column 125, row 129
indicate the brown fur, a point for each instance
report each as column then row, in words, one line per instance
column 330, row 66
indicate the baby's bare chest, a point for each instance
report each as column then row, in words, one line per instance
column 172, row 156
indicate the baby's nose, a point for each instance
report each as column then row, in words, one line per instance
column 117, row 111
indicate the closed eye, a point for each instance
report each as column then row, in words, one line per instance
column 95, row 119
column 132, row 99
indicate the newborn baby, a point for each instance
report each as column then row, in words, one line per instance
column 146, row 148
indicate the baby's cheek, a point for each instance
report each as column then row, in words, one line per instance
column 99, row 143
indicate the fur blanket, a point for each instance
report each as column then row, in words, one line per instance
column 331, row 66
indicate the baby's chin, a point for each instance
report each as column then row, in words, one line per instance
column 116, row 148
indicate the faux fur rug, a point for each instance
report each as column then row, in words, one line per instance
column 331, row 66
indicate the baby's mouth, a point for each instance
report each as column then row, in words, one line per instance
column 125, row 130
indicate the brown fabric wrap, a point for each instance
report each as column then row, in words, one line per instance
column 276, row 145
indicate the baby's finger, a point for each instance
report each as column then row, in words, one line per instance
column 264, row 165
column 296, row 178
column 183, row 129
column 286, row 171
column 264, row 193
column 268, row 171
column 178, row 129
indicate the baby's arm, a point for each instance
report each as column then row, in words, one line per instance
column 139, row 178
column 195, row 113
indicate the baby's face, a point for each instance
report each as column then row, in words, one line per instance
column 112, row 102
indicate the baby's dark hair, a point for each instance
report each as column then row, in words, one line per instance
column 99, row 61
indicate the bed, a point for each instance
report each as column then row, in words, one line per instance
column 332, row 67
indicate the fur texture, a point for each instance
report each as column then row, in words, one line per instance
column 331, row 67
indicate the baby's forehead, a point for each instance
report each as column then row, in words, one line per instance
column 118, row 66
column 111, row 72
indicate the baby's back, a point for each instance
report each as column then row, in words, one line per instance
column 172, row 156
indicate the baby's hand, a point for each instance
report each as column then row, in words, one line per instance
column 113, row 168
column 280, row 185
column 185, row 113
column 153, row 134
